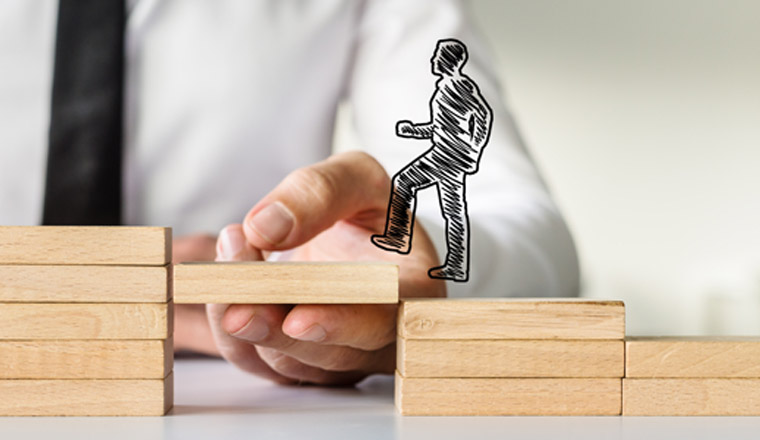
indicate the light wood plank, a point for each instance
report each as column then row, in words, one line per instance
column 285, row 283
column 122, row 245
column 503, row 397
column 85, row 321
column 511, row 318
column 151, row 397
column 510, row 358
column 90, row 359
column 94, row 284
column 692, row 357
column 691, row 397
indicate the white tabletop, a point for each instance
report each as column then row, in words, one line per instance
column 214, row 400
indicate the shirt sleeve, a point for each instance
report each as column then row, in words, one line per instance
column 519, row 242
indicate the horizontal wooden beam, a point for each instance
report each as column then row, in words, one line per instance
column 707, row 357
column 285, row 283
column 511, row 318
column 510, row 358
column 89, row 397
column 691, row 397
column 93, row 284
column 21, row 321
column 504, row 397
column 120, row 245
column 88, row 359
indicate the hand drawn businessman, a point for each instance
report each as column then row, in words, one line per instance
column 459, row 128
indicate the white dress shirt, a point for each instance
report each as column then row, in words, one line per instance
column 225, row 97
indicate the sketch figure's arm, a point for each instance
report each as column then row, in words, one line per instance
column 480, row 121
column 409, row 129
column 520, row 245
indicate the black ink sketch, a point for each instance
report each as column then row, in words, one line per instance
column 459, row 128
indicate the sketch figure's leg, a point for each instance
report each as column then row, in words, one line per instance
column 400, row 221
column 454, row 205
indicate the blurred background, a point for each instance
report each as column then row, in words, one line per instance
column 645, row 120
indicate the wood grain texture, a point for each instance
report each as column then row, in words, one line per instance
column 94, row 284
column 22, row 321
column 511, row 318
column 503, row 397
column 92, row 397
column 115, row 359
column 691, row 397
column 285, row 283
column 693, row 357
column 121, row 245
column 510, row 358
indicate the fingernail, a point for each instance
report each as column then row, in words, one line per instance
column 254, row 330
column 273, row 223
column 231, row 243
column 315, row 333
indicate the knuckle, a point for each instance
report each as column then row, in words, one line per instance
column 370, row 169
column 282, row 364
column 236, row 355
column 315, row 184
column 345, row 361
column 382, row 340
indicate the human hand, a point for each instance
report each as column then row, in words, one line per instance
column 324, row 212
column 191, row 329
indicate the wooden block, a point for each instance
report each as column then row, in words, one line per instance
column 285, row 283
column 691, row 397
column 85, row 321
column 692, row 357
column 502, row 397
column 90, row 397
column 94, row 284
column 124, row 245
column 126, row 359
column 511, row 318
column 510, row 358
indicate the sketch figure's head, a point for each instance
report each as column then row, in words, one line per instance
column 449, row 57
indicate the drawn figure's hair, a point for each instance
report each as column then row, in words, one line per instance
column 451, row 54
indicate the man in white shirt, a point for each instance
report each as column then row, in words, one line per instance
column 225, row 99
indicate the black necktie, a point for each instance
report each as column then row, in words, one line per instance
column 83, row 185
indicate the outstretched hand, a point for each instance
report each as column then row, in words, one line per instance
column 324, row 212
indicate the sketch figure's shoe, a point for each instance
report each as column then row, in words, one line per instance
column 447, row 272
column 393, row 244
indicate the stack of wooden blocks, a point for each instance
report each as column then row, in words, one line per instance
column 697, row 376
column 510, row 357
column 86, row 325
column 85, row 321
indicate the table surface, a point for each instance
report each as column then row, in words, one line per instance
column 214, row 400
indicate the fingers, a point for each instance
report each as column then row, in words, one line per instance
column 351, row 186
column 262, row 325
column 191, row 330
column 253, row 322
column 360, row 326
column 292, row 368
column 193, row 248
column 233, row 246
column 238, row 352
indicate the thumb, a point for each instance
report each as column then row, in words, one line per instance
column 351, row 186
